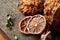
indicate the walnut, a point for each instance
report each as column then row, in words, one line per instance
column 52, row 13
column 23, row 24
column 32, row 24
column 30, row 7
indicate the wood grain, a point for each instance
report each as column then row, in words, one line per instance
column 3, row 36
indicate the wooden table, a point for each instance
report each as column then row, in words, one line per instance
column 3, row 36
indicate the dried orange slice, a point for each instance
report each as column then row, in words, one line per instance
column 23, row 24
column 32, row 24
column 47, row 34
column 37, row 24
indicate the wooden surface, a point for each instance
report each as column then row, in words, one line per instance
column 3, row 36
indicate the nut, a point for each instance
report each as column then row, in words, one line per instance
column 23, row 24
column 52, row 13
column 30, row 7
